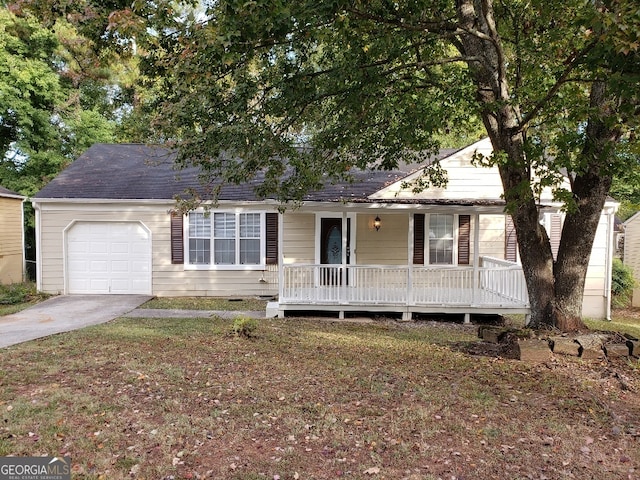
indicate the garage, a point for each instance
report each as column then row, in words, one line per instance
column 108, row 258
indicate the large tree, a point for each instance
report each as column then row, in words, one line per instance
column 48, row 115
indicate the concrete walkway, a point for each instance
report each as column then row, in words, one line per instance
column 173, row 313
column 63, row 314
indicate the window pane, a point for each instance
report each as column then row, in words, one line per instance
column 441, row 251
column 249, row 251
column 199, row 225
column 440, row 239
column 225, row 253
column 199, row 251
column 199, row 239
column 249, row 225
column 224, row 225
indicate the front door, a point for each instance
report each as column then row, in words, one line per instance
column 331, row 248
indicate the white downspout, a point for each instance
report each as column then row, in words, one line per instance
column 609, row 257
column 38, row 230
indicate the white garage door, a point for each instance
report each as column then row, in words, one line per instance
column 109, row 257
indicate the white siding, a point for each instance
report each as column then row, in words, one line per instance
column 167, row 279
column 632, row 252
column 299, row 237
column 491, row 236
column 387, row 246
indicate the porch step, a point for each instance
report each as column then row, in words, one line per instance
column 272, row 309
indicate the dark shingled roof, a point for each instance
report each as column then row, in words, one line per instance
column 136, row 171
column 6, row 192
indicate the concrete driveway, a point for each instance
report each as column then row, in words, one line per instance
column 63, row 314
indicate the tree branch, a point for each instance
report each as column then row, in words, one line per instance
column 419, row 65
column 564, row 78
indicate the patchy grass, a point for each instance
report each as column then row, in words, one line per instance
column 207, row 303
column 174, row 398
column 18, row 296
column 623, row 320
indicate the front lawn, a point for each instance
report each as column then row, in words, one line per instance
column 185, row 399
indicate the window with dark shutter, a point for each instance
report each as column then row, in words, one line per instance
column 510, row 240
column 464, row 234
column 177, row 240
column 271, row 238
column 418, row 239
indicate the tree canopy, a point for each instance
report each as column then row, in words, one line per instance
column 373, row 83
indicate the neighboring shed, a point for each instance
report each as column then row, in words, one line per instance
column 631, row 256
column 11, row 237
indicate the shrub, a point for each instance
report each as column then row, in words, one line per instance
column 622, row 283
column 17, row 293
column 244, row 327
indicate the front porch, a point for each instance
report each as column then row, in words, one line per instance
column 495, row 286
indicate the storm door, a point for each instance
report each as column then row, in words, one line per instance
column 331, row 249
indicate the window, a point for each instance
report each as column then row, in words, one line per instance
column 440, row 239
column 225, row 239
column 199, row 239
column 249, row 238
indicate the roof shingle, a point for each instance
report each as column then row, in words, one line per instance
column 137, row 171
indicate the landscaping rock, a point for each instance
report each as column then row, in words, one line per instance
column 634, row 345
column 592, row 345
column 509, row 346
column 616, row 350
column 593, row 354
column 493, row 334
column 565, row 346
column 534, row 350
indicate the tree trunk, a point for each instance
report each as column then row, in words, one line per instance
column 590, row 190
column 500, row 117
column 555, row 289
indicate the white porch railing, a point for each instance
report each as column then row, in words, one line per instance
column 495, row 283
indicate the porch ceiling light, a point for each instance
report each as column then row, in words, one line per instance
column 377, row 223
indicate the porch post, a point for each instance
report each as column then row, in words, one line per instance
column 476, row 260
column 280, row 262
column 343, row 268
column 410, row 300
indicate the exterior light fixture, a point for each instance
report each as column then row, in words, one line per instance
column 377, row 223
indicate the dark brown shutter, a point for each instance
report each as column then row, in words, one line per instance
column 177, row 239
column 510, row 240
column 418, row 239
column 464, row 234
column 555, row 233
column 272, row 238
